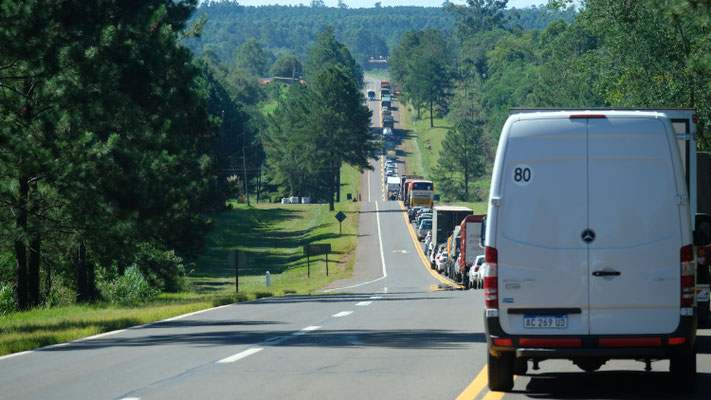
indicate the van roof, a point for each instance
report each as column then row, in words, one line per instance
column 528, row 114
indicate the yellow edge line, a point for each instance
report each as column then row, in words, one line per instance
column 474, row 388
column 422, row 254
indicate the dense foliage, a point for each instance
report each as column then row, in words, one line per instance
column 108, row 151
column 368, row 32
column 651, row 54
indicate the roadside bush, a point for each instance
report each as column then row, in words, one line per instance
column 162, row 269
column 60, row 294
column 130, row 288
column 7, row 299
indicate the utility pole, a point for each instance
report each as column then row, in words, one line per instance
column 244, row 166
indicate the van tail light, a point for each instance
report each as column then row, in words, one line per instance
column 688, row 276
column 491, row 281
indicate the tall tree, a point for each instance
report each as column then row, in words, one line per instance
column 251, row 58
column 287, row 66
column 463, row 158
column 328, row 52
column 339, row 123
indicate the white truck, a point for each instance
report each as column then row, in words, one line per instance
column 393, row 187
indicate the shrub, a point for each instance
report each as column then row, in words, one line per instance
column 7, row 299
column 131, row 288
column 162, row 268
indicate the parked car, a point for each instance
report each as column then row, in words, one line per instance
column 475, row 277
column 424, row 228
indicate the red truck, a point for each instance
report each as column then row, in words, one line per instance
column 471, row 245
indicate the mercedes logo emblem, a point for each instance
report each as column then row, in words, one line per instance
column 588, row 236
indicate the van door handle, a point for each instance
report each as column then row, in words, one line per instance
column 607, row 273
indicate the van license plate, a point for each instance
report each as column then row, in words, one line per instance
column 545, row 321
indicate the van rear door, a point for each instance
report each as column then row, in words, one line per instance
column 543, row 264
column 635, row 219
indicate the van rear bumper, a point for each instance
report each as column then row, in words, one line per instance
column 590, row 345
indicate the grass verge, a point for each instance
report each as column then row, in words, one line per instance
column 271, row 235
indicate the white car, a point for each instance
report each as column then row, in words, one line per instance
column 441, row 261
column 475, row 277
column 434, row 254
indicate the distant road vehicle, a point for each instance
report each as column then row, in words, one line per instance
column 371, row 94
column 424, row 228
column 420, row 193
column 589, row 244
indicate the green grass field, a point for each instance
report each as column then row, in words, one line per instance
column 272, row 236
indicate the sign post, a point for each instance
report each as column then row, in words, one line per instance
column 340, row 217
column 314, row 250
column 236, row 259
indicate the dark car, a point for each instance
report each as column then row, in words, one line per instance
column 411, row 213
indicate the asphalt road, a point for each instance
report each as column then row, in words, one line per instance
column 394, row 331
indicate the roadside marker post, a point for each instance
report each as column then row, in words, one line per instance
column 236, row 258
column 314, row 250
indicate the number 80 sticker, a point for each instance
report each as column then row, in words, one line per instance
column 522, row 174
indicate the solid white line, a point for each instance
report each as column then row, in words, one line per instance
column 364, row 303
column 380, row 239
column 342, row 314
column 241, row 355
column 382, row 258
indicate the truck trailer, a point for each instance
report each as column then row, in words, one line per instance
column 393, row 187
column 444, row 220
column 470, row 245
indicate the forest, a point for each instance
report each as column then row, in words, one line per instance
column 367, row 32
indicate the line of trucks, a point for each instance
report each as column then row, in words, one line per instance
column 458, row 231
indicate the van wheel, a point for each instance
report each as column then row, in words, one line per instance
column 501, row 372
column 520, row 366
column 683, row 371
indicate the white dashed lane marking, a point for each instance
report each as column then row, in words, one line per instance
column 364, row 303
column 342, row 314
column 241, row 355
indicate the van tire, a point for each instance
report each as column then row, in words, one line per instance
column 683, row 371
column 500, row 372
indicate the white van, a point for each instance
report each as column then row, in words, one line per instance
column 588, row 239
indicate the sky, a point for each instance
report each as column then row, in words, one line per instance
column 384, row 3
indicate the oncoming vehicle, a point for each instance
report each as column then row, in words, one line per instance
column 609, row 270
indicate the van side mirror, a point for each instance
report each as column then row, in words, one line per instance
column 702, row 234
column 483, row 232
